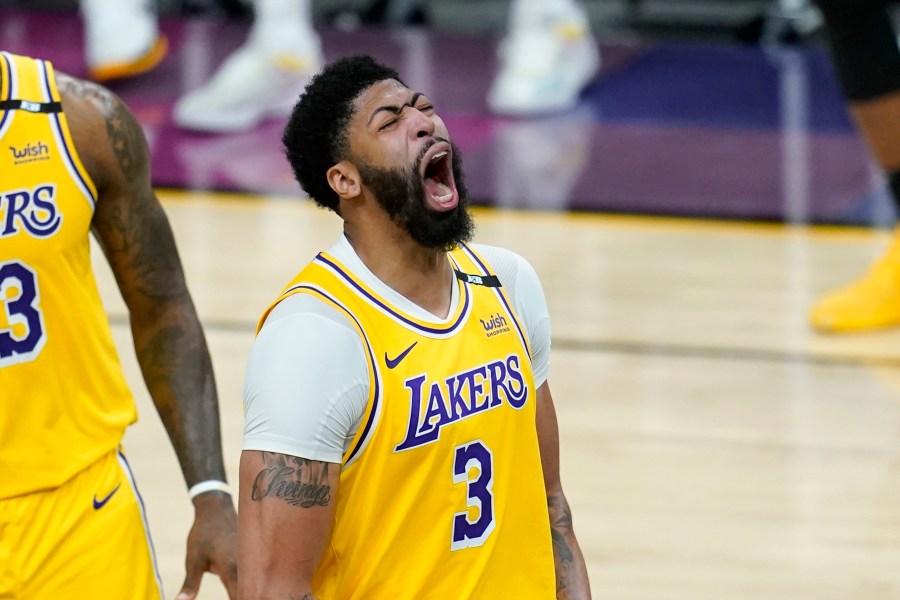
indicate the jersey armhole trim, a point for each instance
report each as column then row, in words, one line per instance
column 7, row 90
column 60, row 126
column 374, row 404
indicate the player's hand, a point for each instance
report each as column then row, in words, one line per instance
column 211, row 545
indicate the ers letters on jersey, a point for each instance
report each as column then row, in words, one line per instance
column 32, row 211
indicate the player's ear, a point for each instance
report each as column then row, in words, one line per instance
column 344, row 179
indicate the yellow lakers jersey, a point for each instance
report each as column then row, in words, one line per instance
column 441, row 492
column 64, row 401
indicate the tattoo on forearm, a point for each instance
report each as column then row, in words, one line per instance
column 138, row 235
column 560, row 530
column 297, row 481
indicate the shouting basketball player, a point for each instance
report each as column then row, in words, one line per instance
column 400, row 437
column 73, row 160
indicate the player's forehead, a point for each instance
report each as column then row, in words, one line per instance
column 388, row 92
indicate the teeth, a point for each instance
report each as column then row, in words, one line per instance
column 438, row 156
column 444, row 193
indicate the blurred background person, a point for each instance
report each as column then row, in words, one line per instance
column 867, row 61
column 546, row 58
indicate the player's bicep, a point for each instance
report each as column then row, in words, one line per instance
column 285, row 510
column 128, row 222
column 302, row 397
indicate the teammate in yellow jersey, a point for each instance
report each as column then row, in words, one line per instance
column 400, row 439
column 72, row 527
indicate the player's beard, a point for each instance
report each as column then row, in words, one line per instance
column 401, row 192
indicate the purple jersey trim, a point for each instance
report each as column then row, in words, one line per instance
column 57, row 125
column 442, row 331
column 12, row 90
column 522, row 337
column 133, row 482
column 363, row 440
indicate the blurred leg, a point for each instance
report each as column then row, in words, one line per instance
column 546, row 59
column 121, row 38
column 263, row 78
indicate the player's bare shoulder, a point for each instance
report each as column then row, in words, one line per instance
column 79, row 95
column 107, row 136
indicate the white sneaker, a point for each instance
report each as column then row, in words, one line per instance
column 544, row 67
column 121, row 38
column 251, row 85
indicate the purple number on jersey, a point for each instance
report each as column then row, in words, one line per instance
column 468, row 533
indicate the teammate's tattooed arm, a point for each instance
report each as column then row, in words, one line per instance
column 135, row 236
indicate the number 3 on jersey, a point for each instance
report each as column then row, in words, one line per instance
column 473, row 464
column 22, row 333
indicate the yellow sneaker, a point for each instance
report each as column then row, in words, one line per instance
column 872, row 302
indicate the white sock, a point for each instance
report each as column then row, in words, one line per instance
column 281, row 25
column 529, row 11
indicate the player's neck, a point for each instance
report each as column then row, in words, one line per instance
column 421, row 275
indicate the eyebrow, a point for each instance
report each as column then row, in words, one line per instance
column 395, row 109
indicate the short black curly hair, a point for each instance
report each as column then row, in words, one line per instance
column 315, row 138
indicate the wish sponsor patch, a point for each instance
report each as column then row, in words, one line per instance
column 29, row 153
column 495, row 325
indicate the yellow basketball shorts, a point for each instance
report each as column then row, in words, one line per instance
column 85, row 539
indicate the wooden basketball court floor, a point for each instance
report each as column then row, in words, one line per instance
column 713, row 447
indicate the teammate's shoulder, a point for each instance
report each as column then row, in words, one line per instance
column 85, row 98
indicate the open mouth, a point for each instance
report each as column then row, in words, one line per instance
column 438, row 175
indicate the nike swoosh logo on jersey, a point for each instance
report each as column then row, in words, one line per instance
column 393, row 362
column 98, row 504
